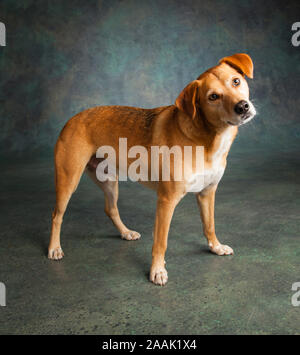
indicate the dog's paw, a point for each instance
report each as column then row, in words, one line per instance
column 159, row 276
column 55, row 254
column 221, row 249
column 131, row 235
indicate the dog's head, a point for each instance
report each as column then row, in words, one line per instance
column 221, row 94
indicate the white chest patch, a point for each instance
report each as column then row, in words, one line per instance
column 212, row 175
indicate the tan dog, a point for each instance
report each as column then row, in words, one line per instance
column 206, row 113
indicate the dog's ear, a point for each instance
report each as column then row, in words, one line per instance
column 187, row 99
column 241, row 62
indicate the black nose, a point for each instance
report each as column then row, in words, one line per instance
column 241, row 107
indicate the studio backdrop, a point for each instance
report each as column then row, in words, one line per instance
column 65, row 56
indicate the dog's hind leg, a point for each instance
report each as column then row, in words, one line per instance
column 111, row 193
column 70, row 162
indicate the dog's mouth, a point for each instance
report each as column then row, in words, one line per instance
column 246, row 116
column 243, row 119
column 232, row 124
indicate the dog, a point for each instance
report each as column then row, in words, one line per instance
column 206, row 113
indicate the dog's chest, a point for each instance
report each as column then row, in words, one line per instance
column 213, row 172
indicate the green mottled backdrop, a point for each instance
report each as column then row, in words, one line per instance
column 64, row 56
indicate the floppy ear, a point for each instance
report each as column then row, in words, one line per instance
column 187, row 99
column 241, row 62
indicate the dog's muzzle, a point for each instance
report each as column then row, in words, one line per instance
column 241, row 108
column 245, row 112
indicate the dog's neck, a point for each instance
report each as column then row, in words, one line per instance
column 201, row 132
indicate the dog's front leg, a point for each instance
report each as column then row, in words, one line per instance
column 164, row 212
column 206, row 203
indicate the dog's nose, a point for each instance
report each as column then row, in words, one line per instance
column 241, row 107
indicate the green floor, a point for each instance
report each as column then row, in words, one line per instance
column 101, row 286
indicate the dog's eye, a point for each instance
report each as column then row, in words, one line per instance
column 236, row 82
column 213, row 97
